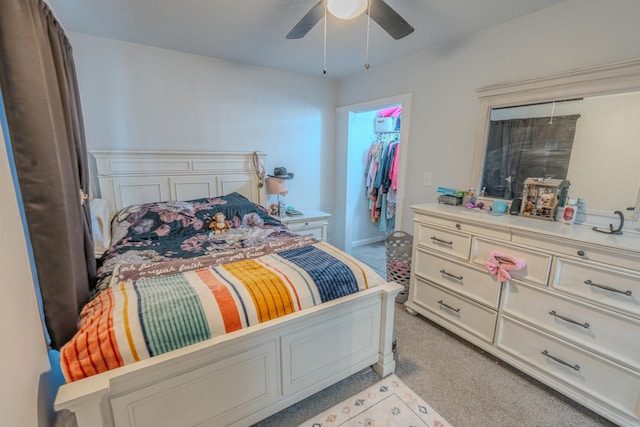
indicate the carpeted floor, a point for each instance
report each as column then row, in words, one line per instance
column 465, row 385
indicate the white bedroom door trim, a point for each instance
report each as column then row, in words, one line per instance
column 344, row 207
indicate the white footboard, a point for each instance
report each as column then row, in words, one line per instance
column 243, row 377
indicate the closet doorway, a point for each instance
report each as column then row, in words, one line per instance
column 357, row 220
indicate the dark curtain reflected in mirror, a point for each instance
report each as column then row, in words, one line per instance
column 526, row 147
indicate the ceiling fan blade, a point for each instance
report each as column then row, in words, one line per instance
column 307, row 22
column 389, row 19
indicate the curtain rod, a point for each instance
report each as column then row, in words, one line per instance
column 539, row 103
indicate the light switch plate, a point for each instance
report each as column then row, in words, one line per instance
column 426, row 180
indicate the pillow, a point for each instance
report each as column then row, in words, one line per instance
column 160, row 219
column 238, row 210
column 100, row 226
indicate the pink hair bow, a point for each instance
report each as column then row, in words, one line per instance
column 500, row 264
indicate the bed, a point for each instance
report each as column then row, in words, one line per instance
column 268, row 339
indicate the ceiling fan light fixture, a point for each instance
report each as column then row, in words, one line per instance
column 347, row 9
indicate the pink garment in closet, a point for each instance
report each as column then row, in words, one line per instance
column 390, row 112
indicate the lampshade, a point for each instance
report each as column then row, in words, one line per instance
column 277, row 186
column 347, row 9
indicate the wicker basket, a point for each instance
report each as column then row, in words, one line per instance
column 398, row 247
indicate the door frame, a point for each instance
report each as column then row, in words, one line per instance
column 344, row 207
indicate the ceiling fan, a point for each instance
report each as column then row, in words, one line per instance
column 378, row 10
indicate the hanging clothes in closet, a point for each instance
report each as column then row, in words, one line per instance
column 382, row 174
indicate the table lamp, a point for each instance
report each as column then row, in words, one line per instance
column 278, row 186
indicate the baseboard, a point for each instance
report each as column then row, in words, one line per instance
column 369, row 241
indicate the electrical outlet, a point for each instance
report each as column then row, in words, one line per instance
column 426, row 180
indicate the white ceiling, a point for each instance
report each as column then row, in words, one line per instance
column 253, row 31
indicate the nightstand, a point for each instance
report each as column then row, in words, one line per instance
column 311, row 223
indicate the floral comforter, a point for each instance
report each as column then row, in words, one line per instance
column 163, row 237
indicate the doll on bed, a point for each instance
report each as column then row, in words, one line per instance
column 219, row 225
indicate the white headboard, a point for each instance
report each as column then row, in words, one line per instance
column 125, row 178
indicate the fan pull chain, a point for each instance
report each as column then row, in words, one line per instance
column 324, row 68
column 366, row 59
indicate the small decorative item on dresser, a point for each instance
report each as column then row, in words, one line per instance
column 450, row 196
column 541, row 197
column 570, row 211
column 449, row 200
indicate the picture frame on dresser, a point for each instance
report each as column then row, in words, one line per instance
column 542, row 197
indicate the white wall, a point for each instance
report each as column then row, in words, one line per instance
column 573, row 34
column 139, row 97
column 26, row 390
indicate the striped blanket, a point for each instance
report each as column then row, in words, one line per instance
column 134, row 320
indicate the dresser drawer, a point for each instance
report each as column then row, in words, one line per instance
column 460, row 311
column 444, row 241
column 472, row 282
column 613, row 385
column 610, row 334
column 610, row 287
column 582, row 250
column 466, row 226
column 538, row 263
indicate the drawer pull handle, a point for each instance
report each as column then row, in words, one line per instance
column 444, row 242
column 608, row 288
column 566, row 319
column 557, row 359
column 453, row 276
column 580, row 253
column 457, row 310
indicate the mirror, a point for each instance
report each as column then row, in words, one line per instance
column 589, row 125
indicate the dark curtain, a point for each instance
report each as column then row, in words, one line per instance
column 42, row 103
column 521, row 148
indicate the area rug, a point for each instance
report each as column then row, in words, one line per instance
column 388, row 403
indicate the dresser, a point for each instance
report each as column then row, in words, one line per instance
column 570, row 318
column 311, row 223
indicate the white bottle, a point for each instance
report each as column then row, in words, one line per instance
column 569, row 212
